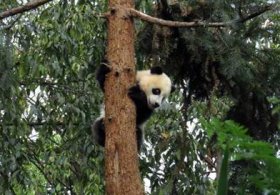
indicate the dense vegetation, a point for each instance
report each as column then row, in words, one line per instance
column 227, row 102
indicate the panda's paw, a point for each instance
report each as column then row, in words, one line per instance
column 105, row 67
column 101, row 73
column 134, row 91
column 103, row 70
column 137, row 95
column 98, row 132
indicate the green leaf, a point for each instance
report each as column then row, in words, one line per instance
column 224, row 172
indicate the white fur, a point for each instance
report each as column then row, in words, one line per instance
column 94, row 127
column 148, row 81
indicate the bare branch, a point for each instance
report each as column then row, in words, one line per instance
column 38, row 124
column 171, row 23
column 28, row 6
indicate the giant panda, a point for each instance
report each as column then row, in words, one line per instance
column 152, row 87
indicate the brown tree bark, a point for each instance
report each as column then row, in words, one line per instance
column 122, row 175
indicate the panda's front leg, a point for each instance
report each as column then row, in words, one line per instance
column 137, row 95
column 98, row 131
column 101, row 73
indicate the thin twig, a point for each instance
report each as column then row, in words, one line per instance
column 257, row 13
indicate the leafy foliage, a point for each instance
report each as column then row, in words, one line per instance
column 48, row 100
column 223, row 177
column 261, row 166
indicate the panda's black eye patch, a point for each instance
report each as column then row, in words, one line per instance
column 156, row 91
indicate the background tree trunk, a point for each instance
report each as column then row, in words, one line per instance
column 121, row 160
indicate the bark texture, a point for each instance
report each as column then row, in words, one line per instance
column 121, row 160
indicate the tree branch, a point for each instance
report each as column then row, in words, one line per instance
column 171, row 23
column 36, row 124
column 28, row 6
column 257, row 13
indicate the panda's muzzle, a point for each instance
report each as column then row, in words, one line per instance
column 156, row 105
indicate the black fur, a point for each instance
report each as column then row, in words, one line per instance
column 99, row 131
column 101, row 73
column 156, row 70
column 143, row 112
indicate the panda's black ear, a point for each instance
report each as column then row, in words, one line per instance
column 156, row 70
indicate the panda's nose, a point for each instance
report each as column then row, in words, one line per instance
column 156, row 105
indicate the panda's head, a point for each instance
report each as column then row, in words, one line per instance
column 155, row 84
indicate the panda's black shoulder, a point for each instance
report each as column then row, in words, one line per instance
column 156, row 70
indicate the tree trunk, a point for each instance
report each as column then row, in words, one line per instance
column 121, row 160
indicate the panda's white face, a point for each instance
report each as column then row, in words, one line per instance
column 155, row 98
column 156, row 87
